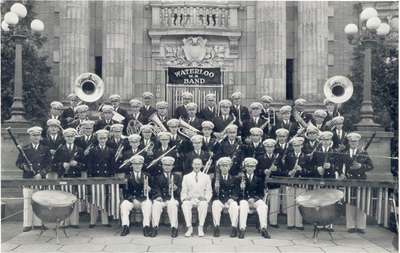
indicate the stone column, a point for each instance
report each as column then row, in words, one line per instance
column 312, row 49
column 74, row 42
column 117, row 47
column 271, row 49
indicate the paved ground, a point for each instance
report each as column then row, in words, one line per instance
column 103, row 239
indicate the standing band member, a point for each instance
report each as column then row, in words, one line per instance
column 226, row 196
column 147, row 109
column 181, row 111
column 166, row 191
column 196, row 192
column 53, row 140
column 81, row 112
column 209, row 112
column 356, row 162
column 39, row 156
column 241, row 112
column 286, row 120
column 251, row 196
column 115, row 101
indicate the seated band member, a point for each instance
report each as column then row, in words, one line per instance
column 106, row 119
column 339, row 134
column 166, row 189
column 39, row 156
column 100, row 164
column 241, row 112
column 134, row 143
column 181, row 111
column 69, row 161
column 147, row 110
column 286, row 121
column 209, row 112
column 226, row 196
column 356, row 162
column 270, row 164
column 319, row 118
column 311, row 139
column 196, row 192
column 251, row 196
column 81, row 112
column 137, row 195
column 53, row 140
column 297, row 164
column 209, row 141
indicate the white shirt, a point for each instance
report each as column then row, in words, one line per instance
column 255, row 119
column 250, row 177
column 353, row 152
column 193, row 189
column 70, row 146
column 35, row 146
column 54, row 137
column 225, row 177
column 207, row 139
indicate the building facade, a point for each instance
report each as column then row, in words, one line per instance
column 284, row 49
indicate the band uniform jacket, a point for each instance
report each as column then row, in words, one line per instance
column 228, row 189
column 127, row 154
column 225, row 148
column 253, row 189
column 283, row 150
column 195, row 122
column 209, row 144
column 291, row 126
column 39, row 158
column 339, row 140
column 244, row 113
column 309, row 146
column 52, row 143
column 157, row 168
column 269, row 113
column 220, row 123
column 115, row 144
column 101, row 162
column 103, row 124
column 208, row 113
column 318, row 159
column 147, row 111
column 304, row 161
column 65, row 155
column 181, row 112
column 265, row 162
column 362, row 157
column 250, row 123
column 134, row 188
column 161, row 186
column 67, row 117
column 84, row 141
column 187, row 164
column 251, row 150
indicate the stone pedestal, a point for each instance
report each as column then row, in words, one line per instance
column 117, row 48
column 312, row 49
column 74, row 42
column 9, row 152
column 271, row 49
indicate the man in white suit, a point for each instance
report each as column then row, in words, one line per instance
column 196, row 192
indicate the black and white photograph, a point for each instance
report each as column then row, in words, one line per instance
column 199, row 126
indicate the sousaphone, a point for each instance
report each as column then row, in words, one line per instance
column 338, row 89
column 89, row 87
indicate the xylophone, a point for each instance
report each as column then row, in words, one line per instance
column 99, row 191
column 371, row 196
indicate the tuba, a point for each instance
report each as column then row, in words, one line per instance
column 187, row 129
column 89, row 87
column 156, row 123
column 338, row 89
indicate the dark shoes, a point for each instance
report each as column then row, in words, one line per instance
column 125, row 230
column 153, row 232
column 264, row 233
column 146, row 231
column 352, row 230
column 361, row 231
column 92, row 225
column 74, row 226
column 42, row 227
column 274, row 226
column 234, row 232
column 26, row 229
column 216, row 231
column 300, row 228
column 241, row 234
column 107, row 225
column 174, row 232
column 290, row 227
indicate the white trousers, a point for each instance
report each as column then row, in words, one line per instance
column 187, row 206
column 127, row 206
column 29, row 217
column 294, row 217
column 274, row 203
column 172, row 210
column 94, row 213
column 233, row 210
column 262, row 211
column 355, row 217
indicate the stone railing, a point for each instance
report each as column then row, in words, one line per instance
column 194, row 15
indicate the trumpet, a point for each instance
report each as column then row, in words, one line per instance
column 187, row 129
column 146, row 186
column 129, row 160
column 222, row 134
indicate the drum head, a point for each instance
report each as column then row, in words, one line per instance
column 319, row 198
column 54, row 198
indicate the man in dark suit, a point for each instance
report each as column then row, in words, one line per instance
column 318, row 120
column 147, row 110
column 252, row 196
column 36, row 167
column 192, row 119
column 177, row 139
column 268, row 111
column 56, row 110
column 224, row 118
column 166, row 193
column 86, row 139
column 209, row 141
column 299, row 109
column 254, row 147
column 181, row 111
column 115, row 101
column 256, row 120
column 68, row 114
column 286, row 122
column 107, row 118
column 54, row 138
column 137, row 195
column 324, row 159
column 135, row 118
column 339, row 134
column 311, row 142
column 241, row 112
column 209, row 112
column 226, row 196
column 198, row 152
column 332, row 111
column 162, row 113
column 81, row 113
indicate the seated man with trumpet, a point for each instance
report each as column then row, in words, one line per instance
column 197, row 152
column 241, row 112
column 354, row 164
column 137, row 195
column 106, row 119
column 34, row 161
column 147, row 109
column 196, row 192
column 166, row 193
column 209, row 112
column 255, row 120
column 252, row 196
column 226, row 196
column 135, row 118
column 70, row 162
column 286, row 121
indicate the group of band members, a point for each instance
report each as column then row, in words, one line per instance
column 224, row 166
